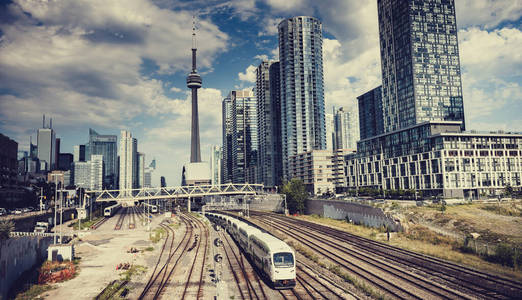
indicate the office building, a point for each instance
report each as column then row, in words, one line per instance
column 105, row 145
column 79, row 153
column 8, row 160
column 65, row 161
column 269, row 123
column 420, row 63
column 128, row 164
column 141, row 170
column 226, row 164
column 96, row 171
column 244, row 137
column 46, row 143
column 303, row 126
column 346, row 129
column 82, row 174
column 216, row 155
column 163, row 181
column 371, row 122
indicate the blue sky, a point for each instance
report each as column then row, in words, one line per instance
column 114, row 65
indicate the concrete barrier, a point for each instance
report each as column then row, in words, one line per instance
column 18, row 255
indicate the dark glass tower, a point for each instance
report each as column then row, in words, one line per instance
column 106, row 145
column 194, row 83
column 370, row 113
column 420, row 62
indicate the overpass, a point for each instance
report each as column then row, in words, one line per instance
column 177, row 192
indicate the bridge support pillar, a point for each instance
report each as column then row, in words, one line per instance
column 188, row 205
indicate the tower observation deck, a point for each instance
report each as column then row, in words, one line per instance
column 194, row 83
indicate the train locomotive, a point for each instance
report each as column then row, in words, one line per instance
column 111, row 210
column 152, row 207
column 272, row 256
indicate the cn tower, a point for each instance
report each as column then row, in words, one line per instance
column 194, row 83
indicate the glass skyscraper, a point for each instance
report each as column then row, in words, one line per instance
column 226, row 110
column 302, row 86
column 105, row 145
column 345, row 128
column 370, row 113
column 269, row 123
column 419, row 62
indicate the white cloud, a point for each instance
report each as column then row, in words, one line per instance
column 286, row 5
column 487, row 13
column 249, row 75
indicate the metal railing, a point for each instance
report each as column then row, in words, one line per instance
column 175, row 192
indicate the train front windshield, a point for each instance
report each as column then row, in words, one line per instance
column 283, row 260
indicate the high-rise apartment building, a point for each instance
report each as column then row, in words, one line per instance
column 244, row 137
column 226, row 164
column 345, row 128
column 420, row 63
column 96, row 165
column 330, row 131
column 302, row 86
column 141, row 170
column 371, row 122
column 105, row 145
column 216, row 155
column 269, row 123
column 82, row 174
column 128, row 162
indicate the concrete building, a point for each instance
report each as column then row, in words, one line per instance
column 79, row 153
column 226, row 164
column 82, row 174
column 141, row 170
column 196, row 174
column 302, row 87
column 46, row 139
column 330, row 131
column 128, row 162
column 244, row 137
column 339, row 170
column 8, row 160
column 216, row 154
column 439, row 159
column 105, row 145
column 371, row 122
column 346, row 129
column 420, row 63
column 96, row 173
column 314, row 168
column 269, row 123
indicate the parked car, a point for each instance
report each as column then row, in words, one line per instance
column 3, row 211
column 17, row 211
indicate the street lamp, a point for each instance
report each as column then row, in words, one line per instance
column 55, row 202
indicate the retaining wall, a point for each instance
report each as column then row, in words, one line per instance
column 358, row 213
column 18, row 255
column 27, row 223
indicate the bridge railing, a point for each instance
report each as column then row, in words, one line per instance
column 23, row 233
column 175, row 192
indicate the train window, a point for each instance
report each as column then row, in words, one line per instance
column 283, row 259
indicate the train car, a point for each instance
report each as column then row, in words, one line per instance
column 111, row 210
column 153, row 208
column 273, row 257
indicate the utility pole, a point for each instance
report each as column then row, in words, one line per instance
column 55, row 203
column 61, row 215
column 41, row 197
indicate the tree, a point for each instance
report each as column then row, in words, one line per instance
column 508, row 190
column 443, row 207
column 295, row 195
column 5, row 229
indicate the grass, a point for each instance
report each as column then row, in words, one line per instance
column 33, row 291
column 148, row 249
column 365, row 288
column 111, row 292
column 133, row 270
column 421, row 240
column 85, row 223
column 157, row 234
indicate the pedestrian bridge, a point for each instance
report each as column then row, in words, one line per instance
column 166, row 193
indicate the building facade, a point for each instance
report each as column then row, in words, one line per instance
column 314, row 168
column 65, row 161
column 420, row 63
column 79, row 153
column 46, row 140
column 96, row 173
column 128, row 163
column 244, row 137
column 82, row 174
column 216, row 154
column 302, row 87
column 269, row 123
column 8, row 160
column 346, row 130
column 438, row 159
column 141, row 170
column 371, row 122
column 105, row 145
column 226, row 165
column 330, row 131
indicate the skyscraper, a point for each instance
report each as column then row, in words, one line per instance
column 346, row 129
column 419, row 62
column 330, row 131
column 127, row 160
column 371, row 122
column 79, row 153
column 46, row 143
column 141, row 170
column 269, row 123
column 194, row 83
column 216, row 155
column 226, row 164
column 302, row 94
column 105, row 145
column 96, row 172
column 244, row 136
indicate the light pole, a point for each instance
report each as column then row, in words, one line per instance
column 55, row 202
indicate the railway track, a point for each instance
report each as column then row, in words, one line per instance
column 132, row 217
column 396, row 264
column 201, row 242
column 121, row 218
column 99, row 223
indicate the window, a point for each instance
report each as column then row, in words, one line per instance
column 283, row 259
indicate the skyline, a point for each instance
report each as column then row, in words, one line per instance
column 142, row 81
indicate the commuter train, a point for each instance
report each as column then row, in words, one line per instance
column 153, row 208
column 273, row 257
column 111, row 210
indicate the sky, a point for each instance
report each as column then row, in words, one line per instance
column 122, row 65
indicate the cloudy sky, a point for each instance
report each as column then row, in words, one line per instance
column 113, row 65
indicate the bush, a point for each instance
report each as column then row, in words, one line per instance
column 6, row 227
column 506, row 255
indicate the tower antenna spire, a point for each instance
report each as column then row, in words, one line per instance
column 194, row 83
column 194, row 46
